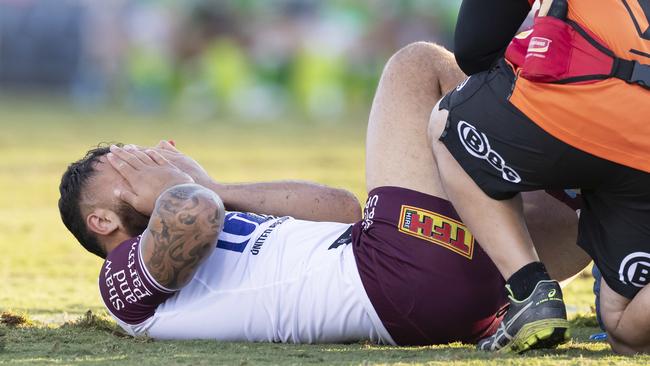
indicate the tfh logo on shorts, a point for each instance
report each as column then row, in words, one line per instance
column 438, row 229
column 635, row 269
column 477, row 144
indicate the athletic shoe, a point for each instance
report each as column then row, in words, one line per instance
column 536, row 322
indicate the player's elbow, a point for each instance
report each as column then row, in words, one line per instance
column 210, row 220
column 196, row 208
column 184, row 228
column 351, row 207
column 335, row 205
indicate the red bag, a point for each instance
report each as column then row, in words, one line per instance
column 556, row 52
column 516, row 51
column 549, row 51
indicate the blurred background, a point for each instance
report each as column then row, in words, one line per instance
column 255, row 60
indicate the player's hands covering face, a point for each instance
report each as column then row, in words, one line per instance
column 148, row 174
column 183, row 162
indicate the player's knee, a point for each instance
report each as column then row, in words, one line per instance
column 419, row 57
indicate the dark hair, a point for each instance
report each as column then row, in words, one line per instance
column 72, row 184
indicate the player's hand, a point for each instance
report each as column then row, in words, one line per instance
column 148, row 173
column 184, row 163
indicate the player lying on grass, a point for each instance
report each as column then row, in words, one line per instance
column 180, row 266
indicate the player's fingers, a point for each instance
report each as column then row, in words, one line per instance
column 122, row 167
column 127, row 156
column 140, row 154
column 167, row 145
column 157, row 157
column 130, row 147
column 169, row 155
column 126, row 196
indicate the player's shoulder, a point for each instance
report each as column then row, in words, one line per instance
column 129, row 292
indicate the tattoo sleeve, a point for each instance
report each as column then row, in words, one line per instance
column 182, row 232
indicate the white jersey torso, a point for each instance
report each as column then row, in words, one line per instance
column 271, row 279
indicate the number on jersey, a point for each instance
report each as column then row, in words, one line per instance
column 238, row 228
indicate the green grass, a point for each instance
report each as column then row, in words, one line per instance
column 45, row 275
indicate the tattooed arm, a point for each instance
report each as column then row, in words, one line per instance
column 185, row 218
column 182, row 232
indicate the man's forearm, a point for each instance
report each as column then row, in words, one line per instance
column 302, row 200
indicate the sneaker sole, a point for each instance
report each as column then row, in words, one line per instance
column 546, row 333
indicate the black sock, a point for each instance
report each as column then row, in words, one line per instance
column 523, row 282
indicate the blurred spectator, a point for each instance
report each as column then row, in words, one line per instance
column 254, row 59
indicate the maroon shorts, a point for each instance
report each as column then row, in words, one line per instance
column 425, row 274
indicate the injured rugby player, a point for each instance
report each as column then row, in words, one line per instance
column 188, row 258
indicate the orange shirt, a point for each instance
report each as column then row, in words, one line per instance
column 609, row 118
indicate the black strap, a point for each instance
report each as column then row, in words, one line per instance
column 632, row 72
column 627, row 70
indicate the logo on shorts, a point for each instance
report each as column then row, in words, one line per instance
column 477, row 144
column 635, row 269
column 438, row 229
column 369, row 212
column 539, row 45
column 462, row 85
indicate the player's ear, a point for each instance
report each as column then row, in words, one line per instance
column 102, row 222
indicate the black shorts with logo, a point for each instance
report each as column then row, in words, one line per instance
column 505, row 153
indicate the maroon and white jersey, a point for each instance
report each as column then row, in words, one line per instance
column 269, row 279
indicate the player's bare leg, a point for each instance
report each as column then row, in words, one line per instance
column 398, row 152
column 397, row 149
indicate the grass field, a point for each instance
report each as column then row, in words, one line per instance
column 48, row 278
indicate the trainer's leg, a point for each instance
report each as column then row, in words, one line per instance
column 397, row 149
column 499, row 225
column 536, row 317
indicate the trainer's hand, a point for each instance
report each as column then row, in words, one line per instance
column 184, row 163
column 148, row 173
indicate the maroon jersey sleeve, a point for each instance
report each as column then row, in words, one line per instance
column 128, row 290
